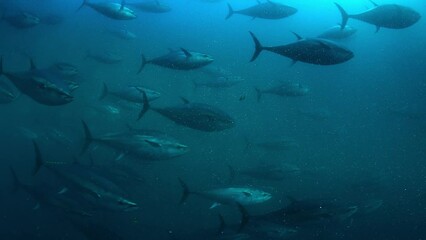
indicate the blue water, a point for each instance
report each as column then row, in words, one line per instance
column 359, row 133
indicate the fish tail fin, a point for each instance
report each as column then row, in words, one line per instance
column 87, row 138
column 38, row 159
column 144, row 62
column 258, row 94
column 16, row 183
column 245, row 217
column 85, row 2
column 185, row 191
column 230, row 12
column 232, row 173
column 145, row 106
column 258, row 47
column 104, row 92
column 345, row 15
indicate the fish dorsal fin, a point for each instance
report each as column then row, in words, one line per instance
column 375, row 4
column 152, row 143
column 186, row 52
column 32, row 64
column 247, row 194
column 122, row 5
column 184, row 100
column 297, row 36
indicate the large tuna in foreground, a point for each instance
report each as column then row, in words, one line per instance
column 387, row 15
column 309, row 50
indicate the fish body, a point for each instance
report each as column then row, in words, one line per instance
column 107, row 57
column 229, row 196
column 22, row 20
column 287, row 89
column 143, row 144
column 130, row 93
column 179, row 60
column 41, row 86
column 94, row 187
column 152, row 6
column 337, row 33
column 391, row 16
column 311, row 50
column 197, row 116
column 115, row 11
column 266, row 10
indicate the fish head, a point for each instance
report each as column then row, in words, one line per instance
column 201, row 59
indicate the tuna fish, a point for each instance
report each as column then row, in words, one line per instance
column 40, row 85
column 337, row 33
column 121, row 33
column 197, row 116
column 145, row 145
column 93, row 186
column 392, row 16
column 22, row 20
column 151, row 6
column 287, row 89
column 46, row 196
column 131, row 93
column 310, row 50
column 115, row 11
column 266, row 10
column 228, row 196
column 107, row 57
column 179, row 59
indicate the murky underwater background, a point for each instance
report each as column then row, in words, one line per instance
column 353, row 146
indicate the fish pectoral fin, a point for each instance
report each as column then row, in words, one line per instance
column 214, row 205
column 247, row 194
column 36, row 207
column 377, row 28
column 63, row 190
column 154, row 144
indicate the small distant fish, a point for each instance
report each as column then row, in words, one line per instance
column 266, row 172
column 391, row 16
column 197, row 116
column 310, row 50
column 107, row 57
column 122, row 33
column 115, row 11
column 337, row 33
column 266, row 10
column 228, row 196
column 130, row 93
column 22, row 20
column 287, row 89
column 151, row 6
column 179, row 59
column 219, row 82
